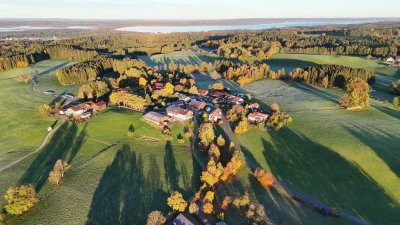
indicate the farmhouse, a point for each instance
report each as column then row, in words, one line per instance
column 98, row 106
column 198, row 105
column 257, row 117
column 179, row 113
column 84, row 115
column 215, row 115
column 156, row 118
column 203, row 92
column 389, row 60
column 77, row 110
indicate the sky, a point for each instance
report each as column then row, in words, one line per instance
column 197, row 9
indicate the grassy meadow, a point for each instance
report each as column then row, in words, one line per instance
column 291, row 61
column 346, row 159
column 111, row 175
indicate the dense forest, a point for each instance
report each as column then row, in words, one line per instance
column 382, row 42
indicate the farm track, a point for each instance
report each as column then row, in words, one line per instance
column 295, row 194
column 45, row 141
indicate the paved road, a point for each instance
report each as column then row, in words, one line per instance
column 45, row 141
column 298, row 195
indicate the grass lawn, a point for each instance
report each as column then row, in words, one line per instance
column 345, row 159
column 291, row 61
column 114, row 179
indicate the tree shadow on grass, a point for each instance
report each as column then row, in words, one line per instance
column 315, row 91
column 172, row 173
column 64, row 144
column 388, row 111
column 316, row 170
column 385, row 145
column 125, row 195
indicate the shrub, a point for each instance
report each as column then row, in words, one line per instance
column 20, row 199
column 156, row 218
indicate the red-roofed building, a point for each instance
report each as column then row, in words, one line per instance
column 203, row 92
column 254, row 106
column 257, row 117
column 215, row 115
column 198, row 105
column 179, row 113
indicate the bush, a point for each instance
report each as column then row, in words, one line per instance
column 358, row 96
column 242, row 127
column 396, row 102
column 155, row 218
column 20, row 199
column 279, row 120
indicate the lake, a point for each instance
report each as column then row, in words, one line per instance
column 202, row 28
column 26, row 28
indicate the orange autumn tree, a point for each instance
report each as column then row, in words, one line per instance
column 176, row 202
column 231, row 167
column 208, row 208
column 266, row 179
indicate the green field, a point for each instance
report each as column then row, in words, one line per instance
column 344, row 159
column 111, row 174
column 347, row 160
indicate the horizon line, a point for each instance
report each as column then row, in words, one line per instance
column 203, row 19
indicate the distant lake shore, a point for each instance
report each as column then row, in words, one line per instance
column 205, row 28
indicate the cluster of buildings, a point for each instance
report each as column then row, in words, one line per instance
column 184, row 108
column 83, row 110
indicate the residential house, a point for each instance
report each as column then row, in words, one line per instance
column 184, row 219
column 77, row 110
column 254, row 107
column 99, row 106
column 257, row 117
column 179, row 113
column 158, row 86
column 235, row 100
column 218, row 94
column 389, row 60
column 198, row 105
column 184, row 98
column 215, row 115
column 156, row 118
column 203, row 92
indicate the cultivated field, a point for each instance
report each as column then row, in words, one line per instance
column 111, row 173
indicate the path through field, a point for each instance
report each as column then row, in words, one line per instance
column 45, row 141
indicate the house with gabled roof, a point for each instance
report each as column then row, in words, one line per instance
column 179, row 113
column 257, row 117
